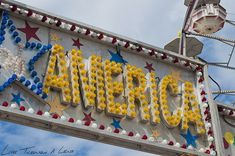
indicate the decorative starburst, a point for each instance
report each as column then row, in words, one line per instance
column 155, row 133
column 55, row 37
column 176, row 75
column 55, row 104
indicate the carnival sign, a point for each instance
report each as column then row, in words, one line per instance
column 78, row 80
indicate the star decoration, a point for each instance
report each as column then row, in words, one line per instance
column 149, row 67
column 117, row 57
column 88, row 117
column 77, row 43
column 176, row 75
column 16, row 98
column 116, row 124
column 55, row 105
column 190, row 139
column 55, row 37
column 155, row 133
column 29, row 31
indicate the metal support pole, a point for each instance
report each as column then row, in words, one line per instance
column 212, row 37
column 182, row 46
column 215, row 117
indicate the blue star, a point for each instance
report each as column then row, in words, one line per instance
column 116, row 124
column 16, row 98
column 117, row 57
column 190, row 139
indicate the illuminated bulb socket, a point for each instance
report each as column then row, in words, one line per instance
column 204, row 105
column 79, row 30
column 83, row 31
column 202, row 86
column 46, row 114
column 184, row 146
column 210, row 138
column 177, row 145
column 93, row 34
column 227, row 112
column 130, row 134
column 71, row 120
column 94, row 125
column 165, row 142
column 13, row 105
column 130, row 44
column 208, row 151
column 193, row 66
column 87, row 123
column 66, row 26
column 121, row 43
column 63, row 118
column 151, row 139
column 169, row 58
column 104, row 38
column 6, row 6
column 145, row 50
column 171, row 143
column 123, row 132
column 137, row 135
column 201, row 150
column 109, row 129
column 208, row 125
column 108, row 39
column 22, row 12
column 30, row 110
column 183, row 62
column 33, row 16
column 38, row 17
column 159, row 55
column 221, row 110
column 133, row 47
column 51, row 21
column 213, row 152
column 39, row 112
column 116, row 130
column 117, row 42
column 190, row 147
column 199, row 74
column 101, row 127
column 100, row 36
column 79, row 122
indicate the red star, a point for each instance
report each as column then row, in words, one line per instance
column 88, row 117
column 149, row 66
column 77, row 43
column 30, row 32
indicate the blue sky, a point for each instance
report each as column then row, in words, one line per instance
column 155, row 22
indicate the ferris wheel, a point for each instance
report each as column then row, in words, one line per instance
column 203, row 19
